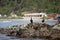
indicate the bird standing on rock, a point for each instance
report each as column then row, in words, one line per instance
column 31, row 21
column 43, row 20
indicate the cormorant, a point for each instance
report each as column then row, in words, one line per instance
column 31, row 20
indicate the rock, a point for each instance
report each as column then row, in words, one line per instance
column 44, row 33
column 36, row 34
column 34, row 25
column 24, row 34
column 27, row 32
column 55, row 33
column 57, row 27
column 35, row 30
column 3, row 30
column 11, row 33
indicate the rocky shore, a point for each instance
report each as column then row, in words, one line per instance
column 33, row 30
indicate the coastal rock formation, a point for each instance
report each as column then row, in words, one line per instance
column 35, row 30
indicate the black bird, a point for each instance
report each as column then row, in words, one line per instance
column 43, row 20
column 31, row 20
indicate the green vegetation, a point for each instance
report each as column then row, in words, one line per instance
column 48, row 6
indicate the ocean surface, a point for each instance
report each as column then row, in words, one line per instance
column 6, row 23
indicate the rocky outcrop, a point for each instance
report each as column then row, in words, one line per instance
column 35, row 30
